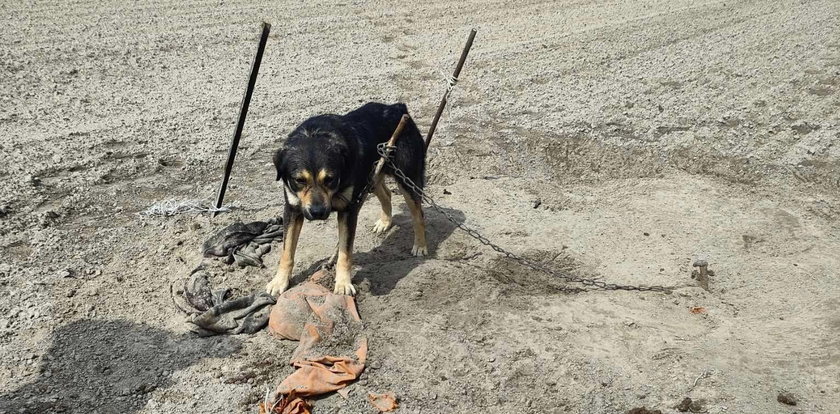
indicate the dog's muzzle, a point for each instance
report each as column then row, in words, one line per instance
column 316, row 213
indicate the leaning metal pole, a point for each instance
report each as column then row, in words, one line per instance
column 243, row 112
column 452, row 82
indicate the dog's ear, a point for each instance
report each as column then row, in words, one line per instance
column 279, row 163
column 347, row 156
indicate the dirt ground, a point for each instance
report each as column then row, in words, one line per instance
column 618, row 140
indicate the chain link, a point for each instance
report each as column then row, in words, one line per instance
column 588, row 283
column 384, row 150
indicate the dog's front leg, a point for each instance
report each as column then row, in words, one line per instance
column 293, row 222
column 344, row 266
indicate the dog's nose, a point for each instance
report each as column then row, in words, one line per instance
column 318, row 213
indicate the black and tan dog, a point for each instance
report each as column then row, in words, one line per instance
column 326, row 163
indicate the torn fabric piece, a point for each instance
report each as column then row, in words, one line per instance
column 384, row 402
column 244, row 244
column 290, row 404
column 332, row 350
column 293, row 310
column 217, row 314
column 245, row 314
column 197, row 291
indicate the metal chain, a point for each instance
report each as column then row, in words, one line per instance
column 589, row 283
column 381, row 148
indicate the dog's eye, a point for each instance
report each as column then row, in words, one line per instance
column 300, row 181
column 329, row 180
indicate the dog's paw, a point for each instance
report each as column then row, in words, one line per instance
column 381, row 226
column 343, row 287
column 419, row 251
column 277, row 286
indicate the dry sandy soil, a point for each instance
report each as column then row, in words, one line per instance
column 651, row 132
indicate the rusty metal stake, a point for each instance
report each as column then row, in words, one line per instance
column 391, row 143
column 243, row 112
column 449, row 88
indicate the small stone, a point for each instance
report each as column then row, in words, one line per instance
column 446, row 192
column 71, row 293
column 786, row 398
column 4, row 210
column 684, row 405
column 643, row 410
column 48, row 217
column 537, row 203
column 689, row 405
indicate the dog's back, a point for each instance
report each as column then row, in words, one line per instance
column 375, row 123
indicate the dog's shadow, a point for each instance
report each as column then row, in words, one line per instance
column 376, row 266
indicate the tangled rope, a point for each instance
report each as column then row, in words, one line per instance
column 451, row 81
column 171, row 207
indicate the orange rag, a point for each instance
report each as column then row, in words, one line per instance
column 290, row 405
column 332, row 351
column 384, row 402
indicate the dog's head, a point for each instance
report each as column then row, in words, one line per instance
column 312, row 165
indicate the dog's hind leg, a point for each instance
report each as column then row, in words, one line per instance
column 384, row 195
column 293, row 222
column 344, row 266
column 419, row 220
